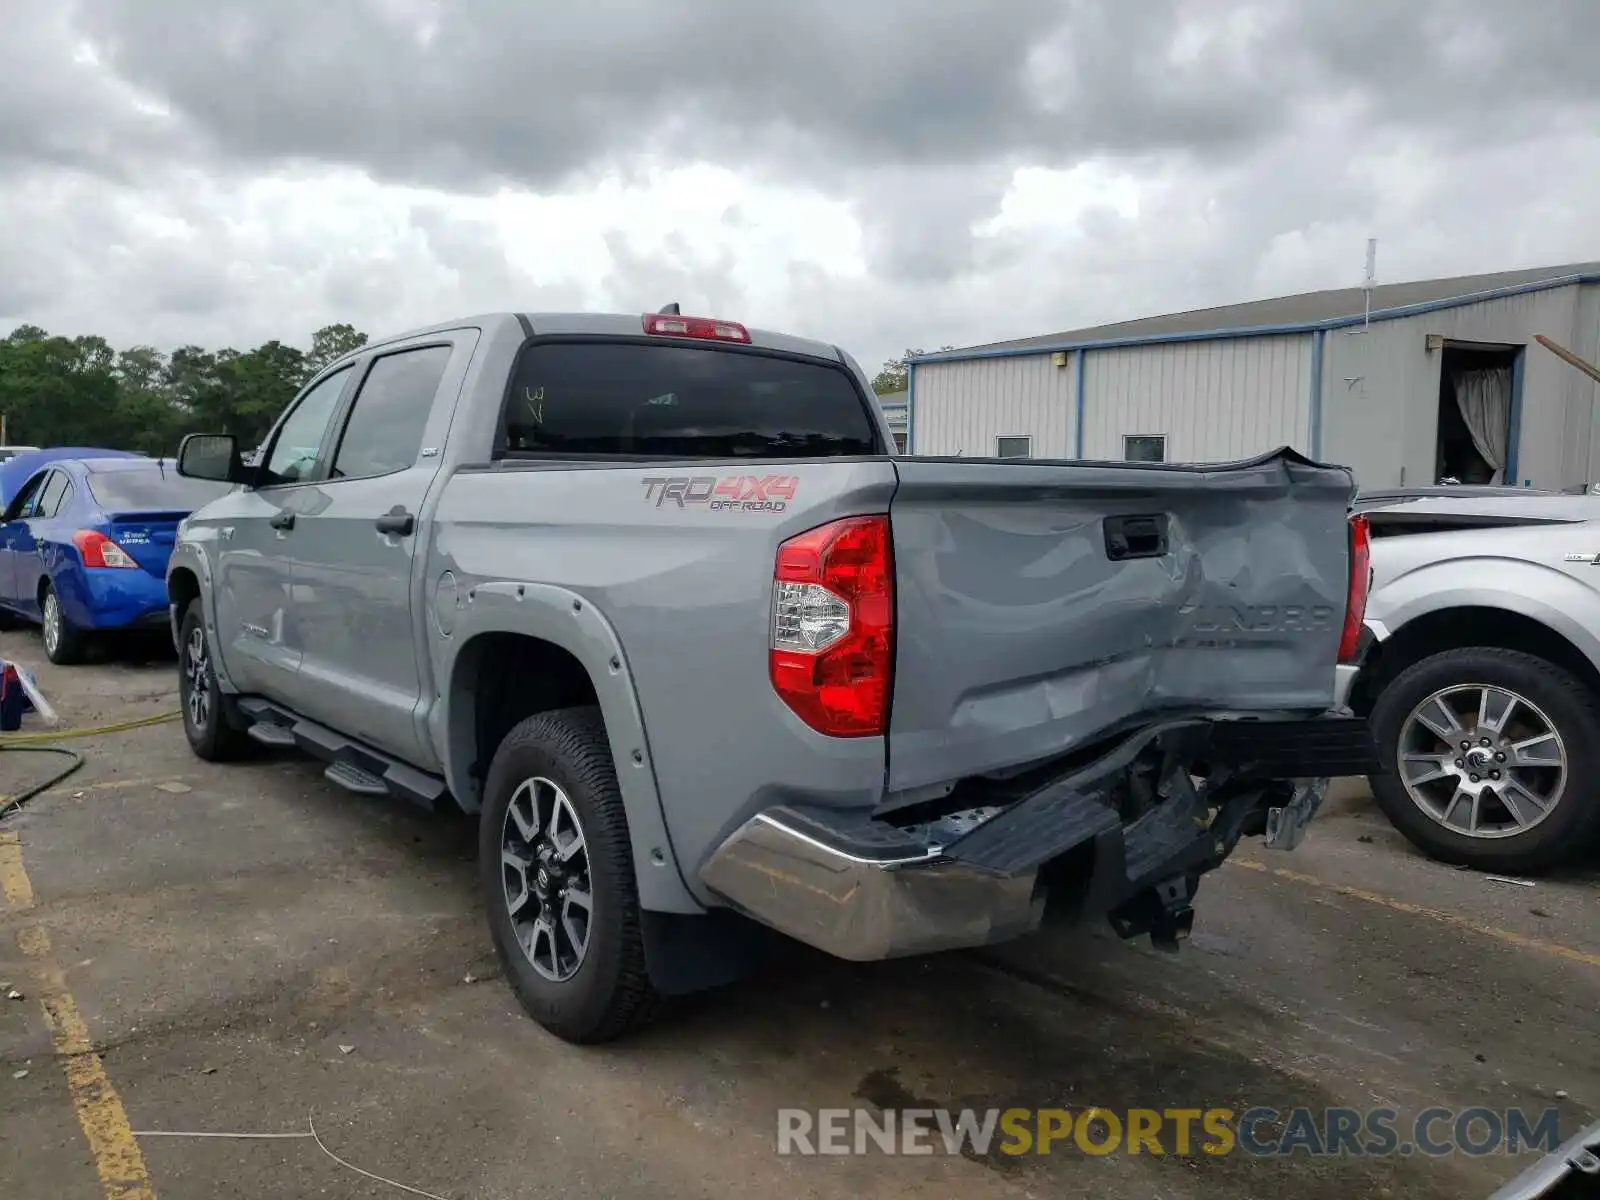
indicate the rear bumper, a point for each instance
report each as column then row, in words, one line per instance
column 100, row 598
column 862, row 889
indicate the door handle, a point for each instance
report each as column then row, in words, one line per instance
column 282, row 519
column 397, row 521
column 1136, row 537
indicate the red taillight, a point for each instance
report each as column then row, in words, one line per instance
column 1355, row 608
column 832, row 648
column 100, row 551
column 672, row 325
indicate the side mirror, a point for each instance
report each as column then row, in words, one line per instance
column 213, row 456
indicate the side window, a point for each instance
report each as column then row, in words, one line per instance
column 294, row 453
column 387, row 421
column 1144, row 447
column 21, row 507
column 49, row 502
column 58, row 500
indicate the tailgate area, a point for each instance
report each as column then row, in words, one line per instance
column 1041, row 605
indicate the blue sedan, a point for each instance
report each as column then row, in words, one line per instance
column 84, row 545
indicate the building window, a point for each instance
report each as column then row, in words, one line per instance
column 1144, row 447
column 1013, row 447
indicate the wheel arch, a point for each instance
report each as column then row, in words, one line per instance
column 183, row 588
column 517, row 649
column 1458, row 626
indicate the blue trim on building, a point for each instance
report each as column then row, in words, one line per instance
column 1514, row 432
column 1079, row 400
column 1247, row 331
column 1317, row 338
column 911, row 408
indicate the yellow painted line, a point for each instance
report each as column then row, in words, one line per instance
column 1509, row 936
column 102, row 1118
column 13, row 879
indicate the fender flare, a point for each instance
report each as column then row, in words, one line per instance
column 190, row 557
column 567, row 620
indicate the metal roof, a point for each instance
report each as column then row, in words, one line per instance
column 1291, row 314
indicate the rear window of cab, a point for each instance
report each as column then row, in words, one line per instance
column 669, row 401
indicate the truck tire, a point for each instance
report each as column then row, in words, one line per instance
column 64, row 643
column 1525, row 741
column 207, row 722
column 556, row 869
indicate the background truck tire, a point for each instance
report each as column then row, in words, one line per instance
column 610, row 993
column 1573, row 712
column 206, row 717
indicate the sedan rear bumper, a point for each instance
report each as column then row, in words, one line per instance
column 862, row 889
column 112, row 599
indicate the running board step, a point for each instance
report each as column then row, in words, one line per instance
column 354, row 766
column 269, row 734
column 353, row 779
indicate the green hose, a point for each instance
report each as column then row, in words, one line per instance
column 37, row 743
column 9, row 804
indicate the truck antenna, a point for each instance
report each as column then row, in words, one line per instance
column 671, row 310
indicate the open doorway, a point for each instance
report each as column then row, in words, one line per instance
column 1475, row 410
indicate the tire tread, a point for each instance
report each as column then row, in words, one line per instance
column 72, row 647
column 1558, row 839
column 576, row 739
column 223, row 742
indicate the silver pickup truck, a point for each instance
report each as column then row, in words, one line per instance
column 651, row 595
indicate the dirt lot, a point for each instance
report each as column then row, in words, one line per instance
column 241, row 949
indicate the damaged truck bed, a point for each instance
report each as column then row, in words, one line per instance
column 654, row 597
column 1107, row 674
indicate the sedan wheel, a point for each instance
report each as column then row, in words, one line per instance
column 52, row 624
column 63, row 644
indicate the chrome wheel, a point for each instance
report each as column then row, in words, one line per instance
column 197, row 680
column 544, row 871
column 52, row 623
column 1482, row 761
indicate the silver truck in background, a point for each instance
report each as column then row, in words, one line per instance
column 1479, row 669
column 652, row 597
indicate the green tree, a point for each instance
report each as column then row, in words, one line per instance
column 257, row 386
column 894, row 375
column 331, row 342
column 58, row 391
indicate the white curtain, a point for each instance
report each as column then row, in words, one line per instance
column 1484, row 398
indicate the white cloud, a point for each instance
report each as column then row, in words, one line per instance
column 867, row 172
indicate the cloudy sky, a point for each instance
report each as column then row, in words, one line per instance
column 880, row 173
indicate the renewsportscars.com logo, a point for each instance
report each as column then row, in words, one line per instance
column 736, row 493
column 1180, row 1132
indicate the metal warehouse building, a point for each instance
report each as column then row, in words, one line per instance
column 1406, row 383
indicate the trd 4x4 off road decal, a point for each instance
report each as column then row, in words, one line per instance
column 734, row 493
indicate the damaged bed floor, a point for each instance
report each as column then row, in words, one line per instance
column 250, row 947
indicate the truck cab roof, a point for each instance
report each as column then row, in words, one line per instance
column 614, row 325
